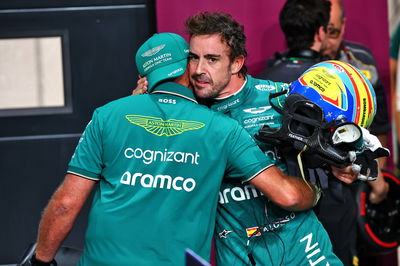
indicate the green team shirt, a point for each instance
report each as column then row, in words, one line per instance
column 247, row 222
column 159, row 160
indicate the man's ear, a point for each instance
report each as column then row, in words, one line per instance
column 237, row 64
column 319, row 38
column 343, row 26
column 321, row 35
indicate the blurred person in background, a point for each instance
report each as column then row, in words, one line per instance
column 314, row 32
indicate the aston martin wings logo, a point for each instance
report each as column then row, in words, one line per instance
column 159, row 127
column 153, row 51
column 257, row 110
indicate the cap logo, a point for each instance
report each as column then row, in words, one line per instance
column 153, row 51
column 175, row 71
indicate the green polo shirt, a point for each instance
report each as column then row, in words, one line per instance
column 159, row 159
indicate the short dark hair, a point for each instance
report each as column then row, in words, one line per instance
column 223, row 24
column 301, row 19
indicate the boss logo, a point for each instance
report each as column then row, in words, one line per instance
column 171, row 101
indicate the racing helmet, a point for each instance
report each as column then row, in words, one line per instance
column 340, row 89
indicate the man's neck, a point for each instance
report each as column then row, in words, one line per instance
column 233, row 86
column 303, row 54
column 184, row 80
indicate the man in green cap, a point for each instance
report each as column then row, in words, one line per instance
column 158, row 161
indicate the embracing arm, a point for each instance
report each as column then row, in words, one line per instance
column 60, row 214
column 291, row 193
column 141, row 86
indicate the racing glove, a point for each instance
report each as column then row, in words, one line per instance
column 364, row 163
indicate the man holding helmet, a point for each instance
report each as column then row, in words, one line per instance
column 270, row 231
column 249, row 228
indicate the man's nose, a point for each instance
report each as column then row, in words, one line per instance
column 200, row 64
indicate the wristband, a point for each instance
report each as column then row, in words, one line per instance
column 35, row 262
column 318, row 193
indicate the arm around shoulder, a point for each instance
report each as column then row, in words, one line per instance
column 288, row 192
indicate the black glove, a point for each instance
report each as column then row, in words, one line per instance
column 35, row 262
column 365, row 164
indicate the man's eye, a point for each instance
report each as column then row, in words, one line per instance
column 192, row 57
column 212, row 60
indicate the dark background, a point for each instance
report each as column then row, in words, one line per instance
column 99, row 39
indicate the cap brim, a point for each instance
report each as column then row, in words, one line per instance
column 167, row 72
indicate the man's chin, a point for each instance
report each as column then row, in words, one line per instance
column 203, row 93
column 327, row 55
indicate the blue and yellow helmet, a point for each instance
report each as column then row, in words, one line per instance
column 340, row 89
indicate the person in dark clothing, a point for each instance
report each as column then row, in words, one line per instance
column 308, row 29
column 361, row 57
column 304, row 24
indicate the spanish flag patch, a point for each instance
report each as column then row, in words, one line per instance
column 253, row 231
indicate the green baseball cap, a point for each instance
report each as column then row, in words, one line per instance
column 163, row 56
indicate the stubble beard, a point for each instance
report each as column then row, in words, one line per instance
column 212, row 91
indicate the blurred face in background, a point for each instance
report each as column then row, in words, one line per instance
column 335, row 30
column 324, row 42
